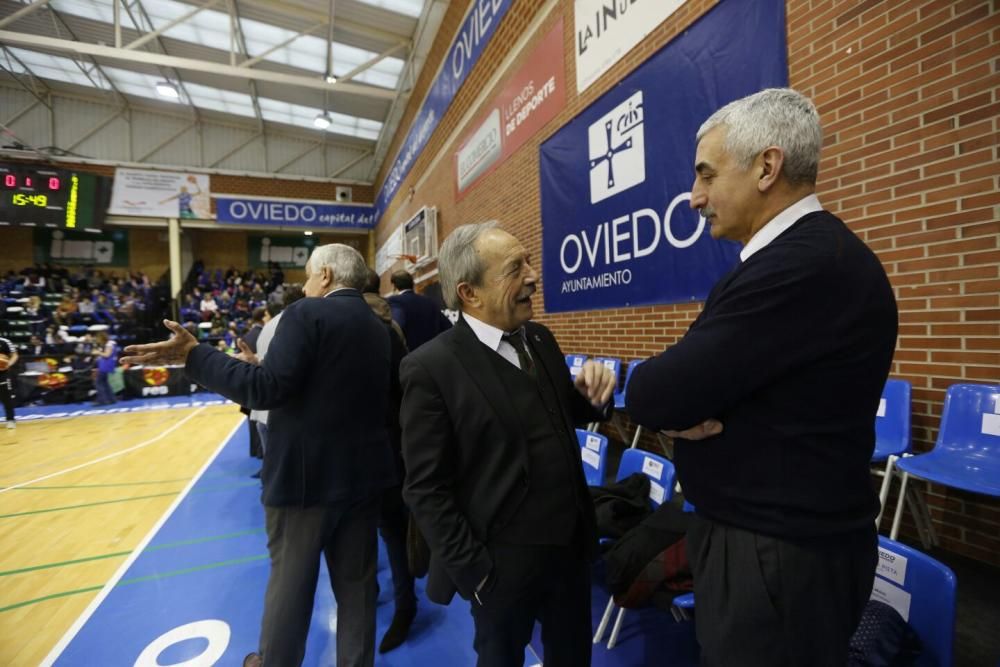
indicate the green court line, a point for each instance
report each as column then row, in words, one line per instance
column 65, row 562
column 210, row 538
column 189, row 570
column 127, row 582
column 94, row 504
column 50, row 597
column 99, row 486
column 125, row 500
column 117, row 554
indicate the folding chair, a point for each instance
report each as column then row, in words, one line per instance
column 967, row 452
column 892, row 434
column 594, row 454
column 660, row 472
column 619, row 398
column 922, row 590
column 575, row 363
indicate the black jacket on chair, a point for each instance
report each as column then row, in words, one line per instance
column 467, row 460
column 325, row 380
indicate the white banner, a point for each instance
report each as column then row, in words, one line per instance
column 160, row 194
column 608, row 29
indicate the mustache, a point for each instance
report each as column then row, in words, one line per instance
column 707, row 212
column 529, row 293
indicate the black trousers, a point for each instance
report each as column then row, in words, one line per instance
column 345, row 534
column 771, row 602
column 7, row 396
column 547, row 583
column 393, row 520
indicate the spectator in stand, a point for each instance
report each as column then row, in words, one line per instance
column 66, row 312
column 257, row 322
column 107, row 359
column 418, row 317
column 36, row 347
column 208, row 306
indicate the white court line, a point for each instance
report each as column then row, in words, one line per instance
column 109, row 456
column 108, row 587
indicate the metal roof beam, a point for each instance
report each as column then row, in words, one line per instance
column 299, row 156
column 374, row 61
column 250, row 62
column 24, row 11
column 237, row 28
column 136, row 43
column 65, row 45
column 337, row 172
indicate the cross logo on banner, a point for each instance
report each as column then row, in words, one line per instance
column 617, row 150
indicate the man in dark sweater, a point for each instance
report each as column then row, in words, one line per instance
column 771, row 396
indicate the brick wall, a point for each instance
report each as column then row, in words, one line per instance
column 909, row 94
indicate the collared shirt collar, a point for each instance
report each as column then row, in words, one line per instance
column 779, row 223
column 487, row 334
column 334, row 291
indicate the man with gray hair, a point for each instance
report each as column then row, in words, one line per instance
column 771, row 397
column 325, row 380
column 493, row 474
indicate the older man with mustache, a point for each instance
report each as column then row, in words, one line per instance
column 493, row 474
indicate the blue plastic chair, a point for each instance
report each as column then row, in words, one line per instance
column 892, row 433
column 575, row 363
column 594, row 455
column 660, row 472
column 967, row 452
column 931, row 587
column 620, row 394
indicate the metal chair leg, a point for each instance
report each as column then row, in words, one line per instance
column 635, row 438
column 899, row 507
column 604, row 621
column 883, row 493
column 618, row 626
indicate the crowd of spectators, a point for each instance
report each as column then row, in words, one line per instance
column 220, row 306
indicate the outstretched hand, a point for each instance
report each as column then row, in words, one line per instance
column 246, row 354
column 596, row 382
column 706, row 429
column 169, row 352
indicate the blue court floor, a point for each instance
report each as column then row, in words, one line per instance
column 194, row 595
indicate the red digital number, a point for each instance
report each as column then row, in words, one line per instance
column 53, row 183
column 10, row 180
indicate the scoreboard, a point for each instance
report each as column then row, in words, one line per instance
column 49, row 197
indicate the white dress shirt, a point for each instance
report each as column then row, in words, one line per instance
column 491, row 337
column 779, row 223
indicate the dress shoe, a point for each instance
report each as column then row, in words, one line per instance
column 253, row 660
column 398, row 630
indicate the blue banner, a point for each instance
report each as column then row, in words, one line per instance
column 617, row 227
column 476, row 31
column 294, row 214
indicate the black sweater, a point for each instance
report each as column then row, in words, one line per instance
column 790, row 353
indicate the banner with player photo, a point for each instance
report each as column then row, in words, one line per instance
column 617, row 227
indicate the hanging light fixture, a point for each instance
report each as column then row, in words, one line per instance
column 322, row 120
column 167, row 89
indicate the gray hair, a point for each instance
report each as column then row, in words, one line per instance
column 346, row 263
column 458, row 261
column 773, row 117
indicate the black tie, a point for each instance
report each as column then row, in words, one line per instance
column 523, row 358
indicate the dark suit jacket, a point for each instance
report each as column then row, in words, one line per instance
column 466, row 455
column 325, row 380
column 418, row 316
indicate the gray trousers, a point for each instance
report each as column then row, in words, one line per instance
column 769, row 602
column 345, row 534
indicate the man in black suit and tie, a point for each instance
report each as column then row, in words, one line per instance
column 493, row 472
column 417, row 315
column 325, row 380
